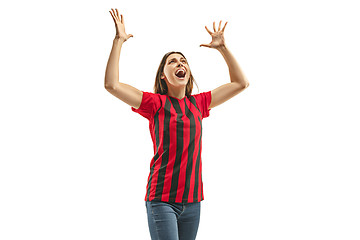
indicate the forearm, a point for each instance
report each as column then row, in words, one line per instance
column 112, row 68
column 236, row 74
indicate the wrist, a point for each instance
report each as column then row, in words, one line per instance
column 222, row 48
column 119, row 39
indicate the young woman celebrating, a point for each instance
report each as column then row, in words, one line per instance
column 174, row 188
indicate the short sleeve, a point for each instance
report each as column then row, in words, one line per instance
column 147, row 106
column 203, row 101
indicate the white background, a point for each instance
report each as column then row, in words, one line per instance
column 280, row 160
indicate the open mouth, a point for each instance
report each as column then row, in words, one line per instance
column 180, row 73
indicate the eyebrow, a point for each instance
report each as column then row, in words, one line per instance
column 175, row 59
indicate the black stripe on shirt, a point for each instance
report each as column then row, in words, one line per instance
column 156, row 123
column 165, row 156
column 179, row 150
column 197, row 168
column 191, row 149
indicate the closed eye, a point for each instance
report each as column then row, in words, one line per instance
column 173, row 60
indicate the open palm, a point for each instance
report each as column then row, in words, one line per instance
column 217, row 37
column 119, row 25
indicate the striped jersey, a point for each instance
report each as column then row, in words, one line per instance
column 176, row 129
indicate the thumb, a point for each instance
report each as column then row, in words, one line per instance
column 205, row 45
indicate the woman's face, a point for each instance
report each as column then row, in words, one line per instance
column 176, row 70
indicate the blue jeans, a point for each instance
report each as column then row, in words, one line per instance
column 173, row 221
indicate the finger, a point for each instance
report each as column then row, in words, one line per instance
column 114, row 14
column 117, row 13
column 122, row 19
column 219, row 26
column 224, row 27
column 208, row 31
column 214, row 27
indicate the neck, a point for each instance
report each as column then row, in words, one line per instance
column 176, row 93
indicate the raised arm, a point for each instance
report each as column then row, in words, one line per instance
column 128, row 94
column 238, row 81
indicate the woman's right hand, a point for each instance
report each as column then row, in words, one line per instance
column 119, row 25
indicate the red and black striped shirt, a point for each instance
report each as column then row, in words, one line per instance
column 176, row 128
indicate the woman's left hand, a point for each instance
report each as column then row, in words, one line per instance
column 217, row 37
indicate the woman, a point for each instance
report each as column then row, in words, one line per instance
column 174, row 188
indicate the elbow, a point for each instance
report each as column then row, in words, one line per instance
column 108, row 86
column 111, row 85
column 242, row 86
column 245, row 84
